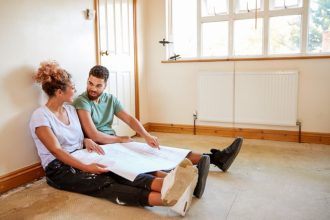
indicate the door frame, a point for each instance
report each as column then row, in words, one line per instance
column 98, row 52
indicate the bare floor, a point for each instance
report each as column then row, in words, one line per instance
column 268, row 180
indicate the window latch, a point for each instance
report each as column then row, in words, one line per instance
column 164, row 42
column 175, row 57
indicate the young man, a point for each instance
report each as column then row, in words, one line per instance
column 96, row 110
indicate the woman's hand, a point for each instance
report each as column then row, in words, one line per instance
column 92, row 146
column 96, row 168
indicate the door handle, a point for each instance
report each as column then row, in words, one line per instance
column 104, row 53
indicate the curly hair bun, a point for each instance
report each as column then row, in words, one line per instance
column 50, row 71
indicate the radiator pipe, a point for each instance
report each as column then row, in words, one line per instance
column 298, row 123
column 195, row 118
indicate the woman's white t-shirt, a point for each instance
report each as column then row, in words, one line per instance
column 69, row 136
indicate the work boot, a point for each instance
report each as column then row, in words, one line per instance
column 177, row 181
column 184, row 202
column 223, row 159
column 203, row 171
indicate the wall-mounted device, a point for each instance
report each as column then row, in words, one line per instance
column 90, row 14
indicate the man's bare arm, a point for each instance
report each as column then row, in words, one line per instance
column 92, row 133
column 137, row 126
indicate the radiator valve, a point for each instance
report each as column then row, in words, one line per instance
column 195, row 115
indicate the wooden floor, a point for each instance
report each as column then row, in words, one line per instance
column 268, row 180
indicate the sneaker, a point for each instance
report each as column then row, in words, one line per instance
column 184, row 202
column 223, row 159
column 177, row 181
column 203, row 171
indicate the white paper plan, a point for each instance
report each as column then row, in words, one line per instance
column 131, row 159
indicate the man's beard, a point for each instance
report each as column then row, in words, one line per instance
column 93, row 96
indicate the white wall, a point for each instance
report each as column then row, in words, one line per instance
column 172, row 88
column 142, row 40
column 32, row 31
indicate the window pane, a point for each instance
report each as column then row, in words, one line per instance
column 214, row 7
column 245, row 5
column 285, row 34
column 280, row 4
column 215, row 39
column 319, row 26
column 184, row 27
column 248, row 38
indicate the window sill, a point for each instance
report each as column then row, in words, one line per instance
column 246, row 59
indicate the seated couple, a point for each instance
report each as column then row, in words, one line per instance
column 58, row 129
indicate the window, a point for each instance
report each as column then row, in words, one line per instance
column 247, row 5
column 214, row 7
column 248, row 28
column 282, row 4
column 215, row 38
column 251, row 43
column 184, row 28
column 284, row 34
column 319, row 26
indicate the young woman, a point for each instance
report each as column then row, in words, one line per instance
column 56, row 130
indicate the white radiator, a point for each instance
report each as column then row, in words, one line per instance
column 215, row 92
column 268, row 98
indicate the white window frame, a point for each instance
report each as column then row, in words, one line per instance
column 265, row 13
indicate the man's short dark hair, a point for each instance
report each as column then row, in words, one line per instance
column 100, row 72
